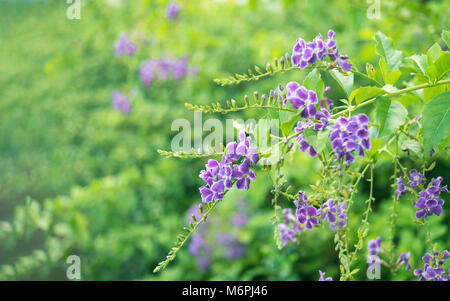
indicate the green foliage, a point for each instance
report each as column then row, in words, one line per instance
column 389, row 115
column 436, row 121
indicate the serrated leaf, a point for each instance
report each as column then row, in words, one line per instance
column 385, row 49
column 344, row 81
column 436, row 121
column 389, row 115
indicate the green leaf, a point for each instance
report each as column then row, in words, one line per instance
column 385, row 49
column 433, row 53
column 389, row 115
column 430, row 93
column 440, row 67
column 288, row 120
column 313, row 81
column 409, row 99
column 446, row 37
column 365, row 93
column 344, row 81
column 376, row 145
column 317, row 139
column 436, row 121
column 413, row 146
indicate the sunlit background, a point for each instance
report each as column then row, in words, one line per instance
column 80, row 176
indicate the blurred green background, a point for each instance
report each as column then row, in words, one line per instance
column 77, row 177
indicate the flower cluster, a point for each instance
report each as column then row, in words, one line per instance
column 307, row 53
column 428, row 202
column 318, row 119
column 123, row 46
column 433, row 268
column 172, row 10
column 336, row 215
column 163, row 69
column 308, row 216
column 349, row 135
column 121, row 102
column 235, row 167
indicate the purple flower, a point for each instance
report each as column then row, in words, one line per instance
column 303, row 144
column 416, row 178
column 322, row 275
column 121, row 102
column 286, row 234
column 401, row 189
column 433, row 269
column 374, row 246
column 172, row 10
column 147, row 72
column 349, row 135
column 307, row 215
column 235, row 165
column 123, row 46
column 428, row 202
column 300, row 97
column 336, row 216
column 180, row 68
column 307, row 53
column 404, row 259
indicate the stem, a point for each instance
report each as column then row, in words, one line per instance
column 172, row 254
column 393, row 214
column 363, row 229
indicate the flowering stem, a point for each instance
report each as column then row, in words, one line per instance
column 392, row 94
column 179, row 244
